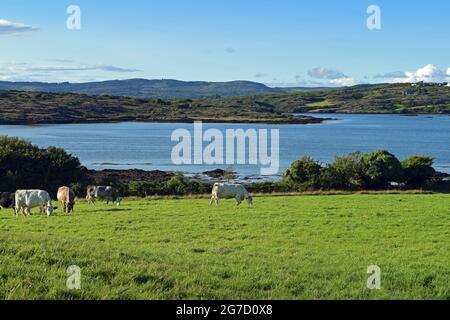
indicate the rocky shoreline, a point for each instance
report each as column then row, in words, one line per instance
column 126, row 176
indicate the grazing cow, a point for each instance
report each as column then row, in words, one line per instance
column 230, row 191
column 29, row 199
column 66, row 197
column 103, row 193
column 7, row 200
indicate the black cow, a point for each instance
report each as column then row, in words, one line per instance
column 7, row 200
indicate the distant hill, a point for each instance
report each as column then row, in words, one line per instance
column 142, row 88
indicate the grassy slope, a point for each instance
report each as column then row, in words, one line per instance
column 382, row 98
column 284, row 247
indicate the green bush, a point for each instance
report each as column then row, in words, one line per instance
column 177, row 185
column 79, row 188
column 305, row 170
column 146, row 188
column 344, row 173
column 380, row 168
column 25, row 166
column 417, row 170
column 270, row 187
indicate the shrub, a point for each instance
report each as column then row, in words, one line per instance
column 305, row 170
column 417, row 170
column 269, row 187
column 146, row 188
column 79, row 188
column 380, row 168
column 177, row 185
column 344, row 173
column 25, row 166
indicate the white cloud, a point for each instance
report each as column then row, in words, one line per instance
column 427, row 73
column 344, row 82
column 332, row 77
column 9, row 27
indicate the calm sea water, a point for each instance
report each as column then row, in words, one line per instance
column 148, row 146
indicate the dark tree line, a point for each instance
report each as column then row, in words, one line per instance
column 26, row 166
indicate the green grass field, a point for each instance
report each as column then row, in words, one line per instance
column 302, row 247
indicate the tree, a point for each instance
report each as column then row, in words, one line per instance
column 417, row 170
column 26, row 166
column 344, row 173
column 304, row 170
column 380, row 168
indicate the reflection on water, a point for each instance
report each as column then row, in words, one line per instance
column 148, row 145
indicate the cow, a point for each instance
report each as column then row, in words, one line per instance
column 66, row 197
column 230, row 191
column 103, row 193
column 29, row 199
column 7, row 200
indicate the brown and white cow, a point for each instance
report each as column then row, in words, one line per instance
column 66, row 197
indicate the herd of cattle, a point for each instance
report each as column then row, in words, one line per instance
column 22, row 201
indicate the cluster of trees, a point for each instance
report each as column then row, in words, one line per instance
column 26, row 166
column 375, row 170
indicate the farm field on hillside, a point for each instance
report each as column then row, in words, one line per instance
column 302, row 247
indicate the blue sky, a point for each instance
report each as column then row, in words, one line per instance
column 277, row 42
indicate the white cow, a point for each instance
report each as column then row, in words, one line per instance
column 29, row 199
column 230, row 191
